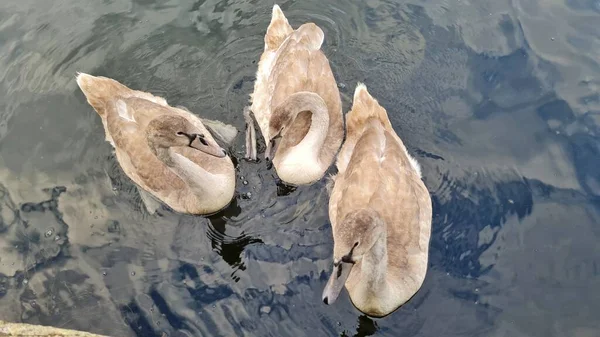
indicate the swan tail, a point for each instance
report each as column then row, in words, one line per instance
column 364, row 109
column 101, row 91
column 279, row 29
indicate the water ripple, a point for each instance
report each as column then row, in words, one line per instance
column 497, row 99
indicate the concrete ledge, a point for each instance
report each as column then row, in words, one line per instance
column 28, row 330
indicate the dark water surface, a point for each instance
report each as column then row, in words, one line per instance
column 498, row 99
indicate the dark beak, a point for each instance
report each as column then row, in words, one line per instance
column 337, row 280
column 272, row 146
column 201, row 143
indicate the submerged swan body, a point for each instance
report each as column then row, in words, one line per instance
column 296, row 103
column 167, row 151
column 380, row 213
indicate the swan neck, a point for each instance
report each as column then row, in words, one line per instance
column 193, row 175
column 315, row 137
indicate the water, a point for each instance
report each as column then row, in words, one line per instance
column 498, row 100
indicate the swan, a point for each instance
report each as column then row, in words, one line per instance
column 167, row 151
column 380, row 213
column 296, row 103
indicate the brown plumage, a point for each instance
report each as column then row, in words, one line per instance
column 380, row 212
column 166, row 151
column 296, row 103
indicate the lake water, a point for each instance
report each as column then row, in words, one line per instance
column 499, row 100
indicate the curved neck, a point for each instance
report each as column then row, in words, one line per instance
column 314, row 139
column 202, row 183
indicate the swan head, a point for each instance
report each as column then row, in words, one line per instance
column 171, row 131
column 277, row 128
column 354, row 237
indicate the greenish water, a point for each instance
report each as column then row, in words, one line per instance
column 498, row 100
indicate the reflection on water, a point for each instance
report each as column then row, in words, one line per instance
column 499, row 101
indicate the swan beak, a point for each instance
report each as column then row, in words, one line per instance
column 337, row 280
column 201, row 143
column 272, row 146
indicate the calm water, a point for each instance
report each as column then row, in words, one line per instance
column 498, row 99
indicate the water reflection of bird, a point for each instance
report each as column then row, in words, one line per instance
column 380, row 212
column 296, row 103
column 228, row 247
column 167, row 151
column 366, row 327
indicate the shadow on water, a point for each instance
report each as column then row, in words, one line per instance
column 366, row 327
column 33, row 241
column 228, row 247
column 135, row 318
column 284, row 189
column 463, row 209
